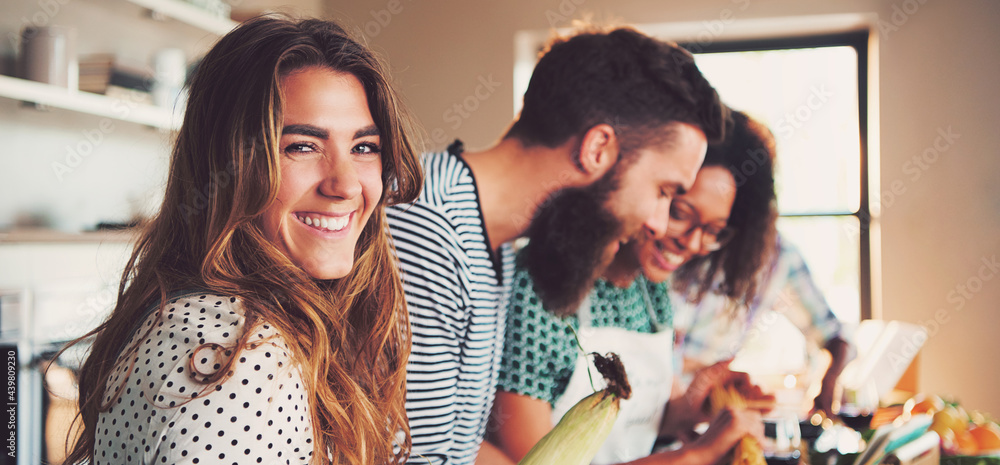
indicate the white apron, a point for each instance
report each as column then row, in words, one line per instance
column 649, row 365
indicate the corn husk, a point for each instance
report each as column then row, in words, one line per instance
column 581, row 432
column 748, row 450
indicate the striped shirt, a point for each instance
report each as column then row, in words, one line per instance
column 457, row 305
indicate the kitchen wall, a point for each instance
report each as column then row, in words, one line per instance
column 938, row 112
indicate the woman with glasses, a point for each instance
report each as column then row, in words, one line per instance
column 728, row 265
column 726, row 220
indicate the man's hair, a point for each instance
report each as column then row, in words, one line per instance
column 623, row 78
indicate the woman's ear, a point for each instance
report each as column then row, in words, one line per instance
column 598, row 151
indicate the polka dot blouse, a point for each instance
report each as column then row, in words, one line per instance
column 163, row 415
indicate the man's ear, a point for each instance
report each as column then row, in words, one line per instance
column 598, row 151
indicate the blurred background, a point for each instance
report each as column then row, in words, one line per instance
column 885, row 113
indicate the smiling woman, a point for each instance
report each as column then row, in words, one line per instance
column 331, row 171
column 266, row 324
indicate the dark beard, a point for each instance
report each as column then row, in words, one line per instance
column 568, row 237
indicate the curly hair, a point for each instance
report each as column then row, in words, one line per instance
column 748, row 153
column 349, row 336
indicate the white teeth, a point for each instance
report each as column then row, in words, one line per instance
column 673, row 258
column 329, row 224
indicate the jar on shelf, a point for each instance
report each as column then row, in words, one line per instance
column 48, row 55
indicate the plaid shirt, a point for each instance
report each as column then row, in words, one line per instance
column 710, row 334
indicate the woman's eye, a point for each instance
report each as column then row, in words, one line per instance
column 368, row 148
column 678, row 212
column 300, row 147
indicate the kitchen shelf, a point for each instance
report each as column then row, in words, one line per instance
column 100, row 105
column 48, row 236
column 86, row 102
column 189, row 14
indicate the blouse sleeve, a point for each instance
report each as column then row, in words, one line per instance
column 165, row 410
column 259, row 414
column 818, row 321
column 539, row 351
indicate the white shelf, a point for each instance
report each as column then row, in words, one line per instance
column 48, row 236
column 86, row 102
column 189, row 14
column 100, row 105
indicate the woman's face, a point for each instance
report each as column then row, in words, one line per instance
column 331, row 171
column 707, row 205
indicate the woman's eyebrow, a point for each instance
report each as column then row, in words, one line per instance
column 320, row 133
column 366, row 131
column 675, row 189
column 306, row 130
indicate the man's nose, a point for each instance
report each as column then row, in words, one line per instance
column 657, row 224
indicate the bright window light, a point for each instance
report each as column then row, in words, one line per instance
column 809, row 99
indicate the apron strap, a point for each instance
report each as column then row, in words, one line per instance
column 643, row 286
column 583, row 312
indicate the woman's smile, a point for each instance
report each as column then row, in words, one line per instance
column 325, row 223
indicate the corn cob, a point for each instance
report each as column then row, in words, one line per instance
column 748, row 450
column 582, row 430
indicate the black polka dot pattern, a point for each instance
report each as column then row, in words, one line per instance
column 259, row 414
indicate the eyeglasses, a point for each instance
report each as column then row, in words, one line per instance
column 684, row 219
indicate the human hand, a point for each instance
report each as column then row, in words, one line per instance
column 726, row 429
column 719, row 375
column 824, row 402
column 705, row 380
column 840, row 352
column 693, row 406
column 686, row 409
column 754, row 396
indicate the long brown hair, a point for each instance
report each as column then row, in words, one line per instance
column 350, row 336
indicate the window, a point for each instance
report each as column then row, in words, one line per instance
column 812, row 93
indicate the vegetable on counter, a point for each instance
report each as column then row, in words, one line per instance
column 748, row 450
